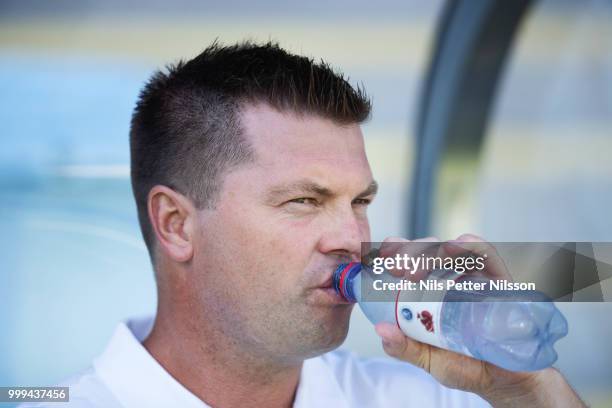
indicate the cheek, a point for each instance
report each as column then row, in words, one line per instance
column 299, row 234
column 290, row 244
column 290, row 247
column 264, row 246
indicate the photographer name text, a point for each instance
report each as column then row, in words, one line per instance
column 404, row 284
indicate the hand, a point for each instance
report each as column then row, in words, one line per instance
column 502, row 388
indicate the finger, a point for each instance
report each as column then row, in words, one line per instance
column 495, row 266
column 388, row 249
column 399, row 246
column 449, row 368
column 470, row 244
column 398, row 345
column 391, row 245
column 427, row 248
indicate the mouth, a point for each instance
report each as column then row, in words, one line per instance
column 328, row 293
column 329, row 283
column 329, row 296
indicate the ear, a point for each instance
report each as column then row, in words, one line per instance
column 172, row 216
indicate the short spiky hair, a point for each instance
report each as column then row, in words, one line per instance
column 185, row 129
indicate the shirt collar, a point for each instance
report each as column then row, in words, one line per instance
column 134, row 376
column 137, row 379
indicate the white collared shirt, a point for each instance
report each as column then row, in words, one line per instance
column 126, row 375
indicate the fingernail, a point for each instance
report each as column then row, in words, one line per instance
column 382, row 331
column 386, row 334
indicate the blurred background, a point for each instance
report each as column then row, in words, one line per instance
column 488, row 118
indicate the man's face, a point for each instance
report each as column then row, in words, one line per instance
column 265, row 255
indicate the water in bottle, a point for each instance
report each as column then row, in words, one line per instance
column 512, row 329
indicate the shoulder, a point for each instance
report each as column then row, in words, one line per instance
column 388, row 382
column 86, row 390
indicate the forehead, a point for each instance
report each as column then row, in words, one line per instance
column 288, row 143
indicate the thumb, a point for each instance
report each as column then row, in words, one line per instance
column 398, row 345
column 451, row 369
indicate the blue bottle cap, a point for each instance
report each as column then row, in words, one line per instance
column 343, row 277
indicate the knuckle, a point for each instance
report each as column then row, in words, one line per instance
column 469, row 237
column 395, row 239
column 428, row 239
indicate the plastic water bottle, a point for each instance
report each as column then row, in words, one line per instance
column 513, row 330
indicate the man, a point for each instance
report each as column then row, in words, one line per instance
column 252, row 184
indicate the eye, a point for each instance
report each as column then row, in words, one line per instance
column 304, row 200
column 362, row 201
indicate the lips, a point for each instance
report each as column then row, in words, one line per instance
column 324, row 292
column 327, row 271
column 325, row 275
column 327, row 284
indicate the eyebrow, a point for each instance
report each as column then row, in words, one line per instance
column 310, row 187
column 372, row 189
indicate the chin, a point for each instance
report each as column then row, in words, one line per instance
column 331, row 336
column 323, row 330
column 326, row 347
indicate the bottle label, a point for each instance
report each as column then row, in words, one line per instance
column 421, row 321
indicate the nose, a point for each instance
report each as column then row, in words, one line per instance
column 343, row 234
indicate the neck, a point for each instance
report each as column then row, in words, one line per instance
column 216, row 369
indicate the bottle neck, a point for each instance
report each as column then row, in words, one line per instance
column 343, row 280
